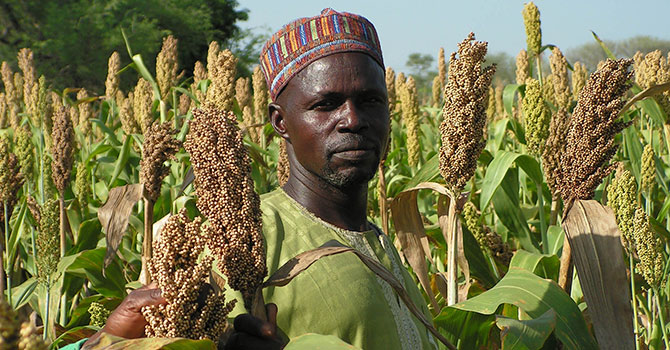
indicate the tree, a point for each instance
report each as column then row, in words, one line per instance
column 421, row 68
column 72, row 40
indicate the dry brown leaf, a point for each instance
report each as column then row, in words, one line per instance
column 302, row 261
column 598, row 256
column 114, row 215
column 411, row 234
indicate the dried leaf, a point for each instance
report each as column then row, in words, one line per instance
column 411, row 234
column 302, row 261
column 598, row 255
column 114, row 215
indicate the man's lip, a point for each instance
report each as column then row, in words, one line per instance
column 355, row 154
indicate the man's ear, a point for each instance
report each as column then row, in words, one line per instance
column 276, row 113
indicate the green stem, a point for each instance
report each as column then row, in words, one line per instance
column 660, row 318
column 539, row 68
column 45, row 334
column 452, row 246
column 8, row 271
column 543, row 220
column 636, row 327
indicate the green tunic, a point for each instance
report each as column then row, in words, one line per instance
column 338, row 295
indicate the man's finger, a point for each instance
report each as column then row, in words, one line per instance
column 144, row 297
column 251, row 325
column 271, row 310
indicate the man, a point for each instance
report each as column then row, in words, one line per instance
column 329, row 104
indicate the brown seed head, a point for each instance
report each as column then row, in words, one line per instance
column 159, row 146
column 112, row 81
column 193, row 310
column 522, row 67
column 593, row 126
column 127, row 113
column 62, row 150
column 85, row 112
column 579, row 77
column 143, row 99
column 261, row 96
column 442, row 68
column 554, row 148
column 3, row 110
column 9, row 325
column 8, row 81
column 221, row 91
column 390, row 88
column 226, row 196
column 243, row 92
column 559, row 70
column 465, row 96
column 409, row 103
column 166, row 66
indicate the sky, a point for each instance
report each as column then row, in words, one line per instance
column 423, row 26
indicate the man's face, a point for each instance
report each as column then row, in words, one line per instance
column 335, row 114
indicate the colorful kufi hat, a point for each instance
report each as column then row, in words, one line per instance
column 305, row 40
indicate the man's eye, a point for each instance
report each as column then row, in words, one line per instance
column 324, row 105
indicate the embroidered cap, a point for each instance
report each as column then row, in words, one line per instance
column 305, row 40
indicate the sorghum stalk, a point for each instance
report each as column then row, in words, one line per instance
column 462, row 131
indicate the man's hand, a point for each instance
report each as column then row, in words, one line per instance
column 127, row 320
column 252, row 333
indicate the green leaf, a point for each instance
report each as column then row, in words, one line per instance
column 89, row 264
column 651, row 108
column 469, row 330
column 312, row 341
column 506, row 207
column 543, row 265
column 22, row 293
column 499, row 167
column 556, row 237
column 508, row 96
column 479, row 265
column 535, row 296
column 428, row 172
column 605, row 48
column 121, row 161
column 16, row 232
column 634, row 151
column 88, row 235
column 109, row 342
column 111, row 137
column 527, row 334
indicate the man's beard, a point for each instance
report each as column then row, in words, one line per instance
column 347, row 180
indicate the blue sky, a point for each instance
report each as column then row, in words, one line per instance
column 424, row 26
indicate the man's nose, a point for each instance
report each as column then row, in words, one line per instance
column 352, row 118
